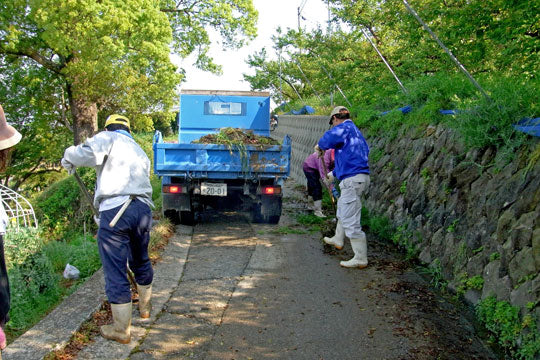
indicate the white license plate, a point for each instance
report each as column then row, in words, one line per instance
column 211, row 189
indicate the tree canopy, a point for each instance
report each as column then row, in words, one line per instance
column 74, row 59
column 498, row 38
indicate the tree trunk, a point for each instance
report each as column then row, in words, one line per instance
column 84, row 115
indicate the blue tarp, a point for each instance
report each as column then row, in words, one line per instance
column 448, row 112
column 405, row 110
column 529, row 126
column 305, row 110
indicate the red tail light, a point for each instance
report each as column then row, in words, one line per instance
column 271, row 190
column 173, row 189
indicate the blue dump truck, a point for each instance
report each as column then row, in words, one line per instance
column 197, row 176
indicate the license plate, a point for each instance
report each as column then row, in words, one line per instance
column 211, row 189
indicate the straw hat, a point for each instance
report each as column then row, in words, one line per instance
column 337, row 110
column 8, row 135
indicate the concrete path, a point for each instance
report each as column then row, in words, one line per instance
column 228, row 289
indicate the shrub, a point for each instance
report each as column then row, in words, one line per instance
column 519, row 338
column 61, row 208
column 33, row 280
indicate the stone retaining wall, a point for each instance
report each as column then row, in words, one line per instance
column 465, row 212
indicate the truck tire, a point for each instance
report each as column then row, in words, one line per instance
column 272, row 219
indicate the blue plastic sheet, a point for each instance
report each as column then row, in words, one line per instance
column 529, row 126
column 305, row 110
column 404, row 110
column 448, row 112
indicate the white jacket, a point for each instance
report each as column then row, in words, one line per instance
column 121, row 165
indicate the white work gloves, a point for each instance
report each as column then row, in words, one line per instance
column 97, row 219
column 319, row 151
column 68, row 166
column 329, row 179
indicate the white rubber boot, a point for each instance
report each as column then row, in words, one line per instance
column 145, row 303
column 359, row 246
column 317, row 208
column 120, row 329
column 337, row 239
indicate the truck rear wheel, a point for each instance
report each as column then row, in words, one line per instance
column 273, row 219
column 180, row 217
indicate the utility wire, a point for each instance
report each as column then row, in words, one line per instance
column 460, row 66
column 383, row 59
column 336, row 85
column 307, row 80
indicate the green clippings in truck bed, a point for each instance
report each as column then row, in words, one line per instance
column 234, row 136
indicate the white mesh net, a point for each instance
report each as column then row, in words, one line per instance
column 18, row 209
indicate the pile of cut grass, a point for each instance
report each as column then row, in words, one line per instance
column 235, row 136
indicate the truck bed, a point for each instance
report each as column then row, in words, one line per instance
column 213, row 161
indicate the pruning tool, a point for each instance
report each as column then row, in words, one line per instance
column 85, row 192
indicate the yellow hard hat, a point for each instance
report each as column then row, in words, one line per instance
column 117, row 119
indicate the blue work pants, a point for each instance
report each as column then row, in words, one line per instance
column 314, row 186
column 126, row 243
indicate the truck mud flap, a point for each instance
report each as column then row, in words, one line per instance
column 268, row 210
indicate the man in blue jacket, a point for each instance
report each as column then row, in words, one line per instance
column 352, row 170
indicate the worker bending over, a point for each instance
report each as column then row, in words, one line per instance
column 352, row 170
column 314, row 170
column 123, row 176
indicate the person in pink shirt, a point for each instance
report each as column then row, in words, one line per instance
column 315, row 171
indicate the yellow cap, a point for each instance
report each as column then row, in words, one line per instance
column 117, row 119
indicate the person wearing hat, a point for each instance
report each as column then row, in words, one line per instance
column 123, row 174
column 9, row 137
column 352, row 170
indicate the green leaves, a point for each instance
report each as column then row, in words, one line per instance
column 494, row 37
column 63, row 62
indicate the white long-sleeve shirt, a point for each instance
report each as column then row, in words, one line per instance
column 122, row 168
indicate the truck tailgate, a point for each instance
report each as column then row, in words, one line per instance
column 221, row 161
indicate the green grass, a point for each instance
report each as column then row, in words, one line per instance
column 35, row 273
column 284, row 230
